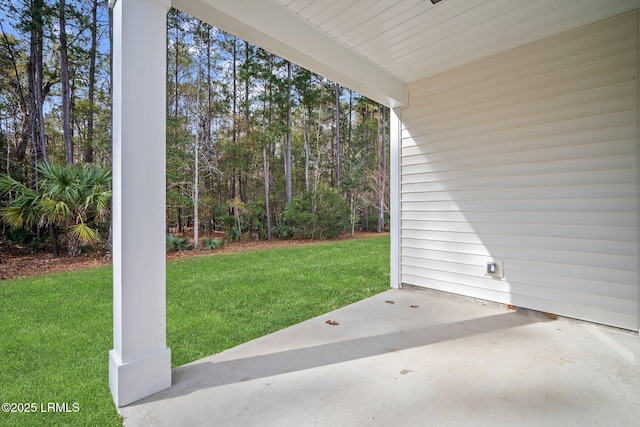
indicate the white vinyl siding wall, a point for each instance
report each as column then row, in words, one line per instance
column 530, row 157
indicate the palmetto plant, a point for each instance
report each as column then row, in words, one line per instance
column 71, row 198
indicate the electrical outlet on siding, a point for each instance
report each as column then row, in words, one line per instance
column 494, row 268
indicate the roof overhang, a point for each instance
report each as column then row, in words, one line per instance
column 274, row 28
column 378, row 48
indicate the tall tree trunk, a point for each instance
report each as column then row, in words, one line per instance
column 352, row 218
column 384, row 162
column 36, row 99
column 350, row 119
column 379, row 174
column 196, row 158
column 307, row 148
column 265, row 167
column 265, row 161
column 338, row 160
column 176, row 79
column 88, row 153
column 367, row 150
column 208, row 184
column 234, row 116
column 287, row 150
column 64, row 78
column 247, row 128
column 318, row 155
column 365, row 120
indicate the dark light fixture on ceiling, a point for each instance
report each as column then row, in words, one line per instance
column 435, row 1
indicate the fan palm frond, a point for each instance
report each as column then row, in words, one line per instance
column 83, row 232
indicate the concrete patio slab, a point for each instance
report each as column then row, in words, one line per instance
column 411, row 357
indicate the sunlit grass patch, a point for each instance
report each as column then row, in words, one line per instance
column 57, row 329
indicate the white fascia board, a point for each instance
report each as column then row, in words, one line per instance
column 272, row 27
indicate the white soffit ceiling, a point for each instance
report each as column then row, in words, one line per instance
column 377, row 47
column 413, row 39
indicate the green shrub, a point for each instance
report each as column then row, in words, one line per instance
column 300, row 216
column 19, row 235
column 254, row 218
column 282, row 231
column 234, row 234
column 212, row 244
column 175, row 243
column 323, row 214
column 372, row 222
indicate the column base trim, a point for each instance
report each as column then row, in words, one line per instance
column 132, row 381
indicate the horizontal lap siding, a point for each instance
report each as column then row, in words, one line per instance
column 530, row 157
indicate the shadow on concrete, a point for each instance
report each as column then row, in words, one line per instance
column 205, row 374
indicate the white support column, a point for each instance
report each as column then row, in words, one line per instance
column 395, row 129
column 140, row 362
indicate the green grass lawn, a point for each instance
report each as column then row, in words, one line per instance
column 57, row 329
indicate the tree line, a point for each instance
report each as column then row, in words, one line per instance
column 257, row 147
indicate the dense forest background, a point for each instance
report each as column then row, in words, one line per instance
column 257, row 147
